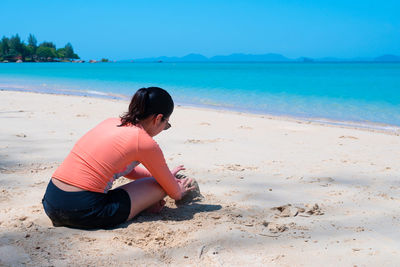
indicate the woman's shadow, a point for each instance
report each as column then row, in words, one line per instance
column 182, row 212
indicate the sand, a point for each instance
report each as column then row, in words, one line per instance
column 277, row 192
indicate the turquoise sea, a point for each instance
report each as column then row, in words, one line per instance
column 366, row 94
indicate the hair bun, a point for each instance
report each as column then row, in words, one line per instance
column 146, row 102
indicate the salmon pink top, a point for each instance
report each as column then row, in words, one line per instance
column 108, row 152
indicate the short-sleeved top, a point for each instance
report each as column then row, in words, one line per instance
column 108, row 152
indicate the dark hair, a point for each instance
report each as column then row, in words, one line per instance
column 146, row 102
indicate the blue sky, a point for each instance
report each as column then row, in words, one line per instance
column 135, row 29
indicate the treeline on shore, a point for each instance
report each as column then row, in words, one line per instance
column 15, row 50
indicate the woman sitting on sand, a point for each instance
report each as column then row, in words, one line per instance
column 79, row 195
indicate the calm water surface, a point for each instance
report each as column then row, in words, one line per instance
column 357, row 92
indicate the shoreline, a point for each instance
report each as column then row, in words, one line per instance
column 366, row 126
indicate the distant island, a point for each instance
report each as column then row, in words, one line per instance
column 271, row 57
column 14, row 50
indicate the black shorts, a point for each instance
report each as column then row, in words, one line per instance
column 85, row 209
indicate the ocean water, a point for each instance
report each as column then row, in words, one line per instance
column 366, row 94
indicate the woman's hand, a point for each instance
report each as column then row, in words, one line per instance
column 177, row 169
column 185, row 185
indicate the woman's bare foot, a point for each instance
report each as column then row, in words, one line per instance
column 157, row 207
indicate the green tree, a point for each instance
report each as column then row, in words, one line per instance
column 48, row 44
column 4, row 47
column 61, row 53
column 32, row 40
column 31, row 52
column 16, row 47
column 25, row 52
column 31, row 47
column 69, row 52
column 44, row 53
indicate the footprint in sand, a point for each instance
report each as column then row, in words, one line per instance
column 81, row 115
column 291, row 211
column 287, row 211
column 237, row 167
column 22, row 218
column 6, row 170
column 324, row 181
column 87, row 239
column 349, row 137
column 301, row 210
column 198, row 141
column 275, row 227
column 38, row 167
column 4, row 195
column 245, row 127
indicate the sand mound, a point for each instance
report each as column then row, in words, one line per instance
column 191, row 196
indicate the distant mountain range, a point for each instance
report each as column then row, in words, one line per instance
column 263, row 58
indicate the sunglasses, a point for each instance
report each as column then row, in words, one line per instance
column 167, row 126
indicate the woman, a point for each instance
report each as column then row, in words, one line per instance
column 79, row 195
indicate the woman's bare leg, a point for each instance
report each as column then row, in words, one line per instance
column 144, row 193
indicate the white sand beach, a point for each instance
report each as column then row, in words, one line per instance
column 278, row 192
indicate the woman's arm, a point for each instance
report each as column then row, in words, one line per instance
column 138, row 173
column 152, row 158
